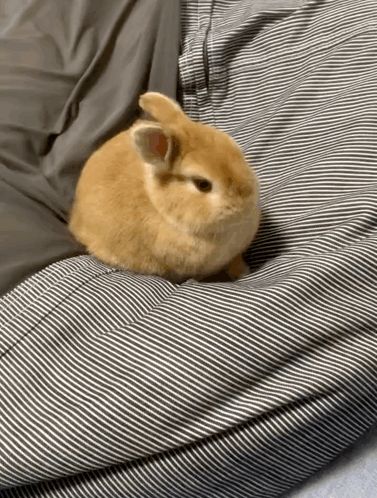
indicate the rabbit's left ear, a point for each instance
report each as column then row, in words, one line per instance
column 153, row 145
column 163, row 109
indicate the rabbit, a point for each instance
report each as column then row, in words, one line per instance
column 169, row 197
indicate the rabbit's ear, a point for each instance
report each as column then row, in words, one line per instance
column 153, row 145
column 163, row 109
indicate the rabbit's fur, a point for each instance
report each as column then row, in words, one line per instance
column 169, row 197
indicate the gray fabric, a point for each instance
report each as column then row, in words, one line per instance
column 63, row 64
column 352, row 475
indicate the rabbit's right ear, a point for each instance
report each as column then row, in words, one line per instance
column 153, row 145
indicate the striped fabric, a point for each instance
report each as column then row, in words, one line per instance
column 121, row 386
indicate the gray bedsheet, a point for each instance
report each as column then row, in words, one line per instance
column 352, row 475
column 63, row 64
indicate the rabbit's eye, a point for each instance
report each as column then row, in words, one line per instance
column 202, row 184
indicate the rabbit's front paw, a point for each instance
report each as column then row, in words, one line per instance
column 237, row 268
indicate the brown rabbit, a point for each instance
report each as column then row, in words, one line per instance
column 170, row 197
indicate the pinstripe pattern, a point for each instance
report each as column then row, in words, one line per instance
column 220, row 390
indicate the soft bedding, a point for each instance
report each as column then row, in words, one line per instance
column 70, row 75
column 118, row 385
column 353, row 474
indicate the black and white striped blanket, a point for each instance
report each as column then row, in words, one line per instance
column 121, row 386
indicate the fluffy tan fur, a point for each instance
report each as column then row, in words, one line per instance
column 137, row 205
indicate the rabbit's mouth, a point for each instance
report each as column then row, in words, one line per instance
column 230, row 226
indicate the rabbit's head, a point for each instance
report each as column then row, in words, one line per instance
column 196, row 176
